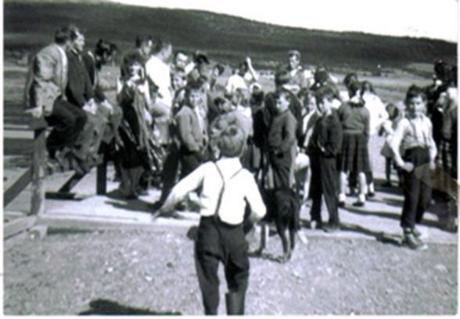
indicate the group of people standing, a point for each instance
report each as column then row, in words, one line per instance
column 63, row 88
column 177, row 120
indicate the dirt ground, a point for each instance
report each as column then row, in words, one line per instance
column 152, row 272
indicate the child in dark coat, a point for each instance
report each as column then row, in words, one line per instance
column 324, row 145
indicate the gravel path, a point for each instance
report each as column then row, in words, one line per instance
column 141, row 272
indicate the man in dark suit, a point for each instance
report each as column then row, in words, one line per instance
column 44, row 94
column 80, row 92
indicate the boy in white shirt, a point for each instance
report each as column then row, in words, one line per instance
column 226, row 188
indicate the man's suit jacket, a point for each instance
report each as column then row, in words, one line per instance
column 46, row 79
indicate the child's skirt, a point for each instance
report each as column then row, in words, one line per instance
column 354, row 156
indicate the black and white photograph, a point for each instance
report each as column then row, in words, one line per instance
column 245, row 157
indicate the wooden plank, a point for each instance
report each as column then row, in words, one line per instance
column 101, row 180
column 38, row 173
column 85, row 223
column 67, row 187
column 16, row 134
column 17, row 187
column 18, row 225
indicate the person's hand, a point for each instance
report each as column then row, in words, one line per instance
column 90, row 107
column 148, row 117
column 408, row 167
column 36, row 112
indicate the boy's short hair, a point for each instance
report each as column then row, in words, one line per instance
column 353, row 87
column 231, row 140
column 219, row 101
column 321, row 75
column 414, row 91
column 392, row 110
column 281, row 92
column 324, row 92
column 61, row 36
column 295, row 53
column 179, row 52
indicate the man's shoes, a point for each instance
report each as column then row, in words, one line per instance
column 370, row 194
column 416, row 233
column 411, row 241
column 331, row 228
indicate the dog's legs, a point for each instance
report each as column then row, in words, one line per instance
column 283, row 233
column 292, row 233
column 263, row 235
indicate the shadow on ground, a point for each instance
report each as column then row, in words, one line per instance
column 111, row 308
column 396, row 216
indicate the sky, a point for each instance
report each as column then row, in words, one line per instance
column 436, row 19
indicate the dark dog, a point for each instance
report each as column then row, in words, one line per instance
column 283, row 209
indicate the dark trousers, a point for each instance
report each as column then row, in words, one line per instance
column 324, row 182
column 189, row 161
column 67, row 121
column 219, row 242
column 170, row 170
column 416, row 187
column 281, row 165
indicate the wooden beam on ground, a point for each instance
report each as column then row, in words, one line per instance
column 67, row 187
column 18, row 225
column 64, row 196
column 85, row 223
column 20, row 184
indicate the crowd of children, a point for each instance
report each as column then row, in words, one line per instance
column 182, row 125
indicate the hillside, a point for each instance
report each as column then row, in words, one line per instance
column 30, row 24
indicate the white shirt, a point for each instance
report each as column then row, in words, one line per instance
column 413, row 132
column 238, row 188
column 64, row 62
column 377, row 113
column 159, row 72
column 236, row 81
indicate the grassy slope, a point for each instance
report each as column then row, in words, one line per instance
column 28, row 25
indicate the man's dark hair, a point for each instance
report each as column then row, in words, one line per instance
column 140, row 39
column 350, row 77
column 61, row 36
column 74, row 32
